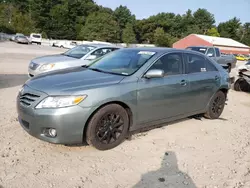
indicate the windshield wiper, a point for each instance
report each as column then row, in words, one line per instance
column 98, row 70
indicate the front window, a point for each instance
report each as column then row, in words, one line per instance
column 198, row 49
column 79, row 51
column 171, row 64
column 124, row 62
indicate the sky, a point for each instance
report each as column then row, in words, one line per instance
column 223, row 10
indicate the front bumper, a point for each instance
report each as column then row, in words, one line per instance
column 69, row 122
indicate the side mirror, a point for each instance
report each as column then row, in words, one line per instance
column 91, row 57
column 210, row 55
column 154, row 73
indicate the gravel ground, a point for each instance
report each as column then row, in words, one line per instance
column 186, row 154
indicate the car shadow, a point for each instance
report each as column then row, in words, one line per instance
column 143, row 131
column 168, row 175
column 12, row 80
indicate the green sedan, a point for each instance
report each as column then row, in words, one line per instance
column 123, row 91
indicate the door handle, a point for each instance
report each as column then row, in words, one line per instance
column 183, row 82
column 217, row 78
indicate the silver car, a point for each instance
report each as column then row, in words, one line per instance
column 77, row 56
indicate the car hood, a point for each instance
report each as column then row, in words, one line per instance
column 68, row 81
column 52, row 59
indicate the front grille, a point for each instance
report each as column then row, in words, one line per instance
column 33, row 66
column 28, row 98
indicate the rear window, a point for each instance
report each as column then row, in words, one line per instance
column 36, row 36
column 195, row 63
column 198, row 49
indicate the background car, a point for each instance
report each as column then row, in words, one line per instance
column 228, row 61
column 126, row 90
column 240, row 57
column 22, row 39
column 77, row 56
column 242, row 83
column 36, row 38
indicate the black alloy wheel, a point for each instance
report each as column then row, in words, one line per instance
column 108, row 127
column 216, row 106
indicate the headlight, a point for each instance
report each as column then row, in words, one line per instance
column 47, row 67
column 60, row 101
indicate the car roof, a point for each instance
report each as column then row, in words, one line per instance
column 157, row 49
column 99, row 45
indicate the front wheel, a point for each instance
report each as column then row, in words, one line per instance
column 108, row 127
column 216, row 106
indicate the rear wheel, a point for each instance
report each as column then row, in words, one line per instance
column 237, row 85
column 242, row 85
column 108, row 127
column 216, row 106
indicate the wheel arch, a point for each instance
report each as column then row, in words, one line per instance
column 224, row 90
column 122, row 104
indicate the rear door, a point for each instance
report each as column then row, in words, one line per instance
column 204, row 79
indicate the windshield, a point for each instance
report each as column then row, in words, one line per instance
column 124, row 62
column 22, row 37
column 248, row 63
column 79, row 51
column 198, row 49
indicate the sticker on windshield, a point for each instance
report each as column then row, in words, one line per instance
column 146, row 53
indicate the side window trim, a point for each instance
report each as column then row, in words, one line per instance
column 167, row 53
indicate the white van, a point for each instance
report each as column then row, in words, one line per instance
column 36, row 38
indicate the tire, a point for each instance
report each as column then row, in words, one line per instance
column 216, row 106
column 103, row 127
column 229, row 68
column 237, row 85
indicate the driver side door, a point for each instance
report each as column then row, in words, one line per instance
column 162, row 98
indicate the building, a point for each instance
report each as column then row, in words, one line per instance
column 226, row 45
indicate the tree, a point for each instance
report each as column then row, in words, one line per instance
column 61, row 25
column 204, row 20
column 128, row 35
column 244, row 33
column 161, row 39
column 123, row 16
column 213, row 32
column 100, row 26
column 23, row 23
column 230, row 28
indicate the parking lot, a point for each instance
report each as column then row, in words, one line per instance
column 190, row 153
